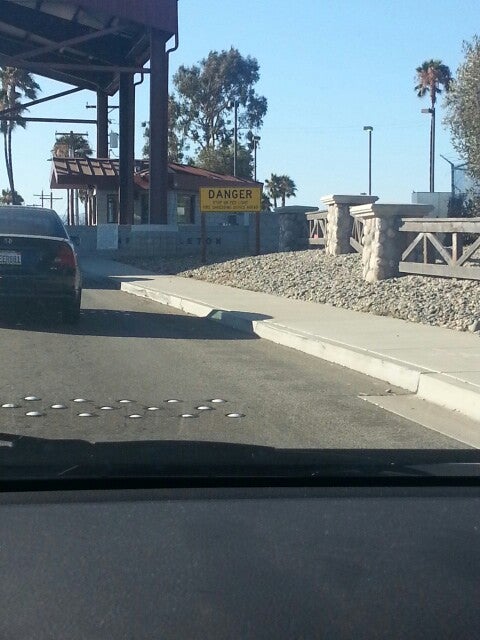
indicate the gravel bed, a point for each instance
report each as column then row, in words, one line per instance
column 313, row 276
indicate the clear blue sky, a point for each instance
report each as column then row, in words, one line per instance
column 328, row 67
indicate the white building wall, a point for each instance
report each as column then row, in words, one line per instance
column 439, row 200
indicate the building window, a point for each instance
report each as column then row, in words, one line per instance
column 112, row 208
column 185, row 208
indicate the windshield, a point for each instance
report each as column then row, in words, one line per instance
column 275, row 256
column 32, row 222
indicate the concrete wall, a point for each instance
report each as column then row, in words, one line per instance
column 269, row 232
column 166, row 240
column 171, row 241
column 85, row 238
column 176, row 240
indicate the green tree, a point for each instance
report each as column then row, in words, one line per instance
column 8, row 198
column 266, row 204
column 272, row 188
column 15, row 86
column 205, row 95
column 177, row 144
column 79, row 145
column 463, row 109
column 287, row 188
column 221, row 161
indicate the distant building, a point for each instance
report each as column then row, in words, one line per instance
column 438, row 199
column 98, row 181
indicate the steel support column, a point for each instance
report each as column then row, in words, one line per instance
column 127, row 147
column 102, row 125
column 158, row 128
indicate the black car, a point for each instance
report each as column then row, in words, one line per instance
column 38, row 260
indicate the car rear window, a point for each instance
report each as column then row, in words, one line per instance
column 35, row 223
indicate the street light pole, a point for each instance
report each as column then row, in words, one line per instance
column 431, row 111
column 369, row 129
column 234, row 104
column 256, row 140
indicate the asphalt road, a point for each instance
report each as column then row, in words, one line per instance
column 129, row 348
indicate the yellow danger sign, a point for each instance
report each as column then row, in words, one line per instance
column 230, row 199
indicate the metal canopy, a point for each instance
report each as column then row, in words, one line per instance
column 86, row 43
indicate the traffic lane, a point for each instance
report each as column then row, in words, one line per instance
column 130, row 348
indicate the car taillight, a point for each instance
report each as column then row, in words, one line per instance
column 65, row 258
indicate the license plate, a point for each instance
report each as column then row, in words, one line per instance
column 10, row 257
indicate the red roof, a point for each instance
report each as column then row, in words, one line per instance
column 191, row 178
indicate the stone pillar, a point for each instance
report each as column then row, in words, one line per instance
column 293, row 228
column 339, row 222
column 383, row 243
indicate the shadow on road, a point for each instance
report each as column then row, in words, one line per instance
column 123, row 324
column 26, row 457
column 110, row 283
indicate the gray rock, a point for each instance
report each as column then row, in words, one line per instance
column 475, row 326
column 337, row 280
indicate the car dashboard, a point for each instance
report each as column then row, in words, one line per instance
column 352, row 561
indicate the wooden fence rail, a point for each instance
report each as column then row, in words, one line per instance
column 317, row 228
column 448, row 247
column 356, row 236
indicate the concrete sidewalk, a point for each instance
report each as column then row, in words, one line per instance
column 439, row 365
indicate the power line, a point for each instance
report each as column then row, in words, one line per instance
column 43, row 196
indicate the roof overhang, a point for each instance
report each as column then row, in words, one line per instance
column 103, row 173
column 85, row 43
column 81, row 173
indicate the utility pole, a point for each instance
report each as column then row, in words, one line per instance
column 45, row 197
column 369, row 129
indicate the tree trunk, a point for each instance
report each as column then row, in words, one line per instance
column 5, row 150
column 10, row 163
column 283, row 198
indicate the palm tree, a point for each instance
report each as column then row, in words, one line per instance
column 74, row 144
column 15, row 84
column 287, row 188
column 8, row 198
column 431, row 75
column 272, row 188
column 266, row 204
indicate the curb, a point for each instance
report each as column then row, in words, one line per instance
column 434, row 387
